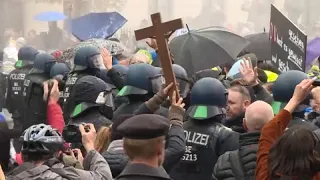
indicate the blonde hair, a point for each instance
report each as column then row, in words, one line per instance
column 138, row 148
column 139, row 58
column 103, row 139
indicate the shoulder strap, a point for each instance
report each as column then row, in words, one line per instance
column 236, row 164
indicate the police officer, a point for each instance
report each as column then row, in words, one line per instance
column 94, row 102
column 15, row 96
column 59, row 72
column 87, row 61
column 206, row 137
column 141, row 83
column 35, row 106
column 183, row 82
column 282, row 91
column 117, row 74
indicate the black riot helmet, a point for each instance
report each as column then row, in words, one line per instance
column 283, row 88
column 208, row 99
column 92, row 91
column 59, row 70
column 138, row 80
column 121, row 70
column 88, row 57
column 26, row 56
column 43, row 63
column 182, row 79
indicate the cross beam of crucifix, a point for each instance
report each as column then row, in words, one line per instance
column 159, row 30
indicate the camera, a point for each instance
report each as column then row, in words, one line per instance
column 72, row 134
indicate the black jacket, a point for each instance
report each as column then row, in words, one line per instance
column 91, row 115
column 241, row 163
column 236, row 124
column 142, row 172
column 262, row 94
column 68, row 102
column 35, row 107
column 298, row 120
column 15, row 94
column 116, row 158
column 133, row 106
column 206, row 140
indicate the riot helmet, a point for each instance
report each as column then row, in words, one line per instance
column 138, row 80
column 26, row 56
column 88, row 57
column 208, row 99
column 58, row 71
column 121, row 70
column 182, row 80
column 283, row 88
column 43, row 63
column 92, row 91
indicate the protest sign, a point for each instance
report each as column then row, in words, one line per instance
column 288, row 43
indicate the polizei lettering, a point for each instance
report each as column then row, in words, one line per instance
column 17, row 76
column 196, row 138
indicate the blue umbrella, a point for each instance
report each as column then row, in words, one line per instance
column 50, row 16
column 96, row 25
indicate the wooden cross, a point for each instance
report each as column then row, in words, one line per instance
column 159, row 30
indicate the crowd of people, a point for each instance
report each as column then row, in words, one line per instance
column 114, row 117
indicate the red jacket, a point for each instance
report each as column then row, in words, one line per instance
column 55, row 116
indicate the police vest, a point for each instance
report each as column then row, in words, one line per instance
column 36, row 107
column 199, row 158
column 16, row 81
column 68, row 103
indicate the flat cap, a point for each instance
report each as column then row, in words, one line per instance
column 144, row 126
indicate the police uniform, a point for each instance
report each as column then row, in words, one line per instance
column 283, row 89
column 87, row 92
column 146, row 126
column 16, row 78
column 83, row 66
column 59, row 72
column 141, row 83
column 36, row 107
column 206, row 137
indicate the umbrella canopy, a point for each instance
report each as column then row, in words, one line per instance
column 115, row 48
column 313, row 50
column 50, row 16
column 96, row 25
column 204, row 49
column 259, row 45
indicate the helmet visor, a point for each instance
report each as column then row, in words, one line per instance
column 157, row 82
column 97, row 62
column 105, row 98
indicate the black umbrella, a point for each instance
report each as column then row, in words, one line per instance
column 259, row 45
column 207, row 48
